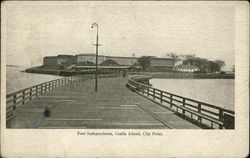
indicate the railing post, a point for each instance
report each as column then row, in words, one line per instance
column 161, row 96
column 199, row 111
column 45, row 87
column 30, row 93
column 171, row 100
column 36, row 90
column 183, row 104
column 212, row 124
column 49, row 86
column 23, row 97
column 41, row 88
column 154, row 93
column 221, row 118
column 14, row 102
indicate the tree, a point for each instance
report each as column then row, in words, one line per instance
column 201, row 63
column 173, row 56
column 144, row 62
column 188, row 56
column 221, row 63
column 213, row 66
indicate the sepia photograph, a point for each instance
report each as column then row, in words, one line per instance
column 123, row 66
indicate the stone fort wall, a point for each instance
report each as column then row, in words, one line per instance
column 162, row 64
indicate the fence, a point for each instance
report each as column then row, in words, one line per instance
column 18, row 98
column 206, row 115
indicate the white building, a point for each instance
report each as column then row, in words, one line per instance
column 187, row 68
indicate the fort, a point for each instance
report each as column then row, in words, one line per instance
column 80, row 64
column 53, row 64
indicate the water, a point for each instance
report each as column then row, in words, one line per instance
column 219, row 92
column 17, row 80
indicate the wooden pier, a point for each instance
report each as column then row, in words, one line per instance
column 120, row 103
column 203, row 114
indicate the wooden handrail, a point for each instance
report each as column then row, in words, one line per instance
column 14, row 99
column 185, row 104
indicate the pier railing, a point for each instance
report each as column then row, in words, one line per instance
column 18, row 98
column 200, row 113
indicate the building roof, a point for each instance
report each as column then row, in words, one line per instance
column 89, row 54
column 105, row 67
column 62, row 55
column 93, row 54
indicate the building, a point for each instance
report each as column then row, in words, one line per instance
column 64, row 61
column 90, row 57
column 161, row 64
column 58, row 62
column 49, row 62
column 187, row 68
column 126, row 61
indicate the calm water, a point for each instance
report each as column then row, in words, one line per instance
column 219, row 92
column 17, row 80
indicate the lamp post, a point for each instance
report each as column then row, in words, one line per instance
column 96, row 63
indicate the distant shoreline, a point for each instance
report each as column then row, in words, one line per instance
column 181, row 75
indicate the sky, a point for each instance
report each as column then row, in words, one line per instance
column 33, row 30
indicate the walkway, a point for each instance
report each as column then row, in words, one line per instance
column 114, row 106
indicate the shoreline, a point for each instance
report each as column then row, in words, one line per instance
column 167, row 75
column 180, row 75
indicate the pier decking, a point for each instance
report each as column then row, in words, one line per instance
column 76, row 105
